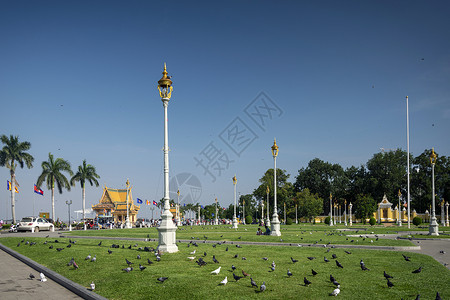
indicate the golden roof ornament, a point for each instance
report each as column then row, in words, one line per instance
column 165, row 85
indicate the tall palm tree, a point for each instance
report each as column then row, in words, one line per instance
column 85, row 173
column 13, row 154
column 52, row 174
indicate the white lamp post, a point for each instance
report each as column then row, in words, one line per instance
column 407, row 161
column 345, row 212
column 178, row 209
column 69, row 202
column 167, row 229
column 331, row 209
column 442, row 213
column 243, row 212
column 262, row 211
column 275, row 227
column 434, row 227
column 446, row 211
column 127, row 221
column 350, row 213
column 216, row 221
column 296, row 220
column 235, row 223
column 267, row 202
column 399, row 219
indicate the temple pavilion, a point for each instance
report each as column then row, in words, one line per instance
column 113, row 203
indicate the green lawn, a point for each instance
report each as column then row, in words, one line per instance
column 189, row 281
column 294, row 234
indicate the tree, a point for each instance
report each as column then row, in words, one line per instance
column 249, row 204
column 365, row 206
column 323, row 178
column 52, row 173
column 310, row 205
column 284, row 188
column 85, row 173
column 12, row 154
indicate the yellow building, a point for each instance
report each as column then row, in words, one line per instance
column 114, row 203
column 385, row 213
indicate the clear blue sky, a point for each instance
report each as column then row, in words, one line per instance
column 78, row 79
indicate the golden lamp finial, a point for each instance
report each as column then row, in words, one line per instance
column 234, row 179
column 274, row 148
column 399, row 193
column 165, row 85
column 433, row 157
column 268, row 190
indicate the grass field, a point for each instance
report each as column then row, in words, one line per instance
column 189, row 281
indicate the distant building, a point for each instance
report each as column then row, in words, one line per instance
column 114, row 203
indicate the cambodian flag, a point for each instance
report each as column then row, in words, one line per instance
column 38, row 191
column 154, row 203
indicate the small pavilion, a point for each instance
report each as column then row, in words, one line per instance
column 113, row 203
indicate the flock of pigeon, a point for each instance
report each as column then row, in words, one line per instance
column 201, row 262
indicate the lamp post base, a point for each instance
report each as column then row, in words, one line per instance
column 166, row 234
column 128, row 224
column 275, row 227
column 267, row 222
column 235, row 223
column 433, row 229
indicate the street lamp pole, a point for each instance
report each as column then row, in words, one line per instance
column 407, row 161
column 69, row 202
column 127, row 221
column 167, row 229
column 243, row 211
column 399, row 219
column 235, row 223
column 434, row 227
column 442, row 213
column 217, row 220
column 446, row 211
column 267, row 202
column 275, row 230
column 331, row 209
column 350, row 213
column 296, row 220
column 345, row 212
column 177, row 213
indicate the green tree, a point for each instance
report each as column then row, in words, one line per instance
column 364, row 206
column 14, row 154
column 85, row 173
column 309, row 205
column 387, row 174
column 52, row 173
column 249, row 203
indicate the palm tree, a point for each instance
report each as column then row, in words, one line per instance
column 85, row 173
column 52, row 174
column 13, row 153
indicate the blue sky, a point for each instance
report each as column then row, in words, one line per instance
column 78, row 79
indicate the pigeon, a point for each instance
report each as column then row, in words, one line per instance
column 204, row 254
column 387, row 276
column 418, row 297
column 311, row 258
column 138, row 257
column 265, row 258
column 245, row 273
column 313, row 272
column 339, row 264
column 75, row 265
column 389, row 283
column 128, row 269
column 233, row 267
column 193, row 252
column 88, row 257
column 273, row 264
column 68, row 246
column 216, row 271
column 226, row 249
column 244, row 258
column 92, row 286
column 418, row 270
column 236, row 277
column 128, row 262
column 71, row 262
column 236, row 256
column 31, row 276
column 325, row 259
column 336, row 283
column 94, row 259
column 42, row 276
column 364, row 268
column 149, row 261
column 59, row 249
column 100, row 243
column 332, row 278
column 158, row 258
column 294, row 260
column 262, row 288
column 335, row 292
column 272, row 268
column 162, row 279
column 253, row 283
column 289, row 273
column 141, row 267
column 191, row 258
column 438, row 297
column 18, row 244
column 215, row 260
column 407, row 258
column 333, row 256
column 306, row 281
column 225, row 281
column 348, row 252
column 109, row 251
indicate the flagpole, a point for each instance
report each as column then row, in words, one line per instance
column 407, row 159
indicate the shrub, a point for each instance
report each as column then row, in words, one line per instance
column 248, row 220
column 6, row 226
column 289, row 221
column 417, row 221
column 372, row 221
column 327, row 220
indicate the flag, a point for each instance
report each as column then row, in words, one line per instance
column 212, row 214
column 154, row 203
column 184, row 204
column 38, row 191
column 202, row 206
column 9, row 186
column 147, row 202
column 139, row 201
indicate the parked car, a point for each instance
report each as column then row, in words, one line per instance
column 33, row 223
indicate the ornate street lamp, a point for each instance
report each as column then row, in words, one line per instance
column 399, row 218
column 235, row 222
column 216, row 220
column 267, row 202
column 275, row 230
column 262, row 211
column 127, row 221
column 350, row 213
column 442, row 213
column 446, row 211
column 167, row 228
column 345, row 212
column 69, row 202
column 177, row 214
column 331, row 209
column 434, row 227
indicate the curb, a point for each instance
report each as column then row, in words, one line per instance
column 63, row 281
